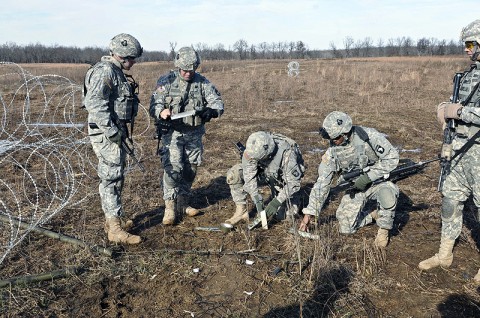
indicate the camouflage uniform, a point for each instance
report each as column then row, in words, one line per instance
column 111, row 103
column 463, row 178
column 282, row 169
column 182, row 147
column 369, row 150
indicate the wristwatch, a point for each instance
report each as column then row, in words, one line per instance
column 459, row 112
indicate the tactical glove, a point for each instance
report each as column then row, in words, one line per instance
column 116, row 138
column 362, row 182
column 446, row 111
column 209, row 113
column 272, row 207
column 164, row 125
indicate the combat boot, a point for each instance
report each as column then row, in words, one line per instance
column 443, row 258
column 169, row 215
column 477, row 277
column 183, row 207
column 116, row 234
column 381, row 240
column 240, row 214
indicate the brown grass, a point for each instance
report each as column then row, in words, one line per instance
column 338, row 276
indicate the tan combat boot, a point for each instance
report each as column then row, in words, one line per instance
column 477, row 277
column 239, row 215
column 443, row 258
column 381, row 240
column 116, row 234
column 183, row 207
column 169, row 215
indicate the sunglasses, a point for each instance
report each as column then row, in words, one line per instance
column 470, row 44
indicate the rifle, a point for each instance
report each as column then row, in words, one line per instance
column 448, row 135
column 240, row 147
column 404, row 171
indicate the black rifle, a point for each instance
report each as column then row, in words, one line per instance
column 448, row 135
column 399, row 173
column 240, row 147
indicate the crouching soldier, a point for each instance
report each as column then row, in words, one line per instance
column 268, row 159
column 352, row 148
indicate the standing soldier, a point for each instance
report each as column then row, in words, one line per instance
column 464, row 177
column 269, row 159
column 352, row 148
column 183, row 92
column 111, row 103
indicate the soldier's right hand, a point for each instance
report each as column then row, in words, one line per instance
column 304, row 224
column 165, row 114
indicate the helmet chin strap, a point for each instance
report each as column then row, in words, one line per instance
column 476, row 54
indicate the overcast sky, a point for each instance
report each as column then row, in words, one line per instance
column 157, row 23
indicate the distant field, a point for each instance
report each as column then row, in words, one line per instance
column 337, row 276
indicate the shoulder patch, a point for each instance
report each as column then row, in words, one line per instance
column 380, row 149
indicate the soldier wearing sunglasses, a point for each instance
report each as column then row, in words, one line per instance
column 462, row 116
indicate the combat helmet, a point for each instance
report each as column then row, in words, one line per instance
column 187, row 59
column 259, row 145
column 125, row 45
column 335, row 124
column 472, row 33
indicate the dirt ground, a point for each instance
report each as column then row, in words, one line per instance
column 179, row 271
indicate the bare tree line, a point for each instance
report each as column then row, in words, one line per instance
column 242, row 50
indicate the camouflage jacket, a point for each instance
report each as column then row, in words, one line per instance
column 469, row 122
column 176, row 94
column 108, row 97
column 283, row 169
column 367, row 149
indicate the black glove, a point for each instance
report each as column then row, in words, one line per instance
column 209, row 113
column 163, row 126
column 362, row 182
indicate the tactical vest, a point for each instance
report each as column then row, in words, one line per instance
column 123, row 101
column 185, row 96
column 469, row 82
column 284, row 145
column 354, row 155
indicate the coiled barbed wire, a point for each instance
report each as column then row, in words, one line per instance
column 46, row 159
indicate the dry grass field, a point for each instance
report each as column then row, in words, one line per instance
column 336, row 276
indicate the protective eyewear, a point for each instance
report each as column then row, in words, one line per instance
column 469, row 45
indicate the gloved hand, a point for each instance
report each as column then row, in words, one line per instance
column 116, row 138
column 209, row 113
column 362, row 182
column 164, row 125
column 272, row 207
column 446, row 111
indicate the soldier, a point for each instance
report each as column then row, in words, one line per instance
column 269, row 159
column 351, row 148
column 464, row 177
column 111, row 103
column 180, row 91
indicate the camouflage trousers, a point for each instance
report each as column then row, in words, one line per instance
column 462, row 181
column 180, row 154
column 239, row 195
column 350, row 214
column 111, row 165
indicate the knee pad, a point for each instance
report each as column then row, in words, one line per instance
column 451, row 209
column 387, row 198
column 234, row 175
